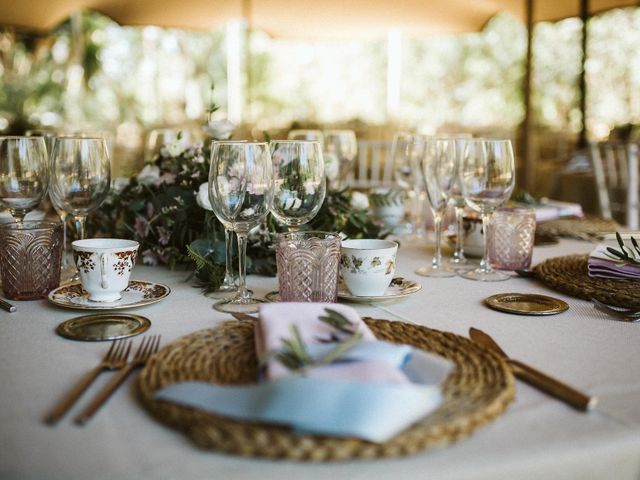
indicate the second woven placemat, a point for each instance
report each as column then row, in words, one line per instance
column 581, row 228
column 478, row 390
column 569, row 275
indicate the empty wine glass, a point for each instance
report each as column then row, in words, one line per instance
column 487, row 178
column 81, row 177
column 241, row 193
column 298, row 181
column 438, row 173
column 402, row 171
column 344, row 145
column 24, row 174
column 458, row 260
column 307, row 134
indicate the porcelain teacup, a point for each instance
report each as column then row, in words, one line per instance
column 367, row 265
column 105, row 265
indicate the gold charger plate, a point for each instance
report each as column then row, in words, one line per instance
column 137, row 294
column 526, row 304
column 399, row 288
column 103, row 326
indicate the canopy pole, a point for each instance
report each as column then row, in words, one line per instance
column 582, row 82
column 527, row 174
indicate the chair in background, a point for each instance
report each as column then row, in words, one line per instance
column 374, row 166
column 615, row 167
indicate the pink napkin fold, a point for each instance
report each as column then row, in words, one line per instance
column 275, row 324
column 600, row 265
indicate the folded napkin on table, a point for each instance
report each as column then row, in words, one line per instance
column 373, row 390
column 554, row 209
column 603, row 264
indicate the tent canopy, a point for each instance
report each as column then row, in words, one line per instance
column 302, row 18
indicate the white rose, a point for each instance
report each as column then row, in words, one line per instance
column 359, row 201
column 220, row 129
column 331, row 165
column 148, row 175
column 202, row 198
column 120, row 183
column 175, row 149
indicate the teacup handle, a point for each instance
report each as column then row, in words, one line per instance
column 104, row 266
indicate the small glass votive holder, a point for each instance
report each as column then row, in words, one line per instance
column 30, row 258
column 510, row 238
column 308, row 264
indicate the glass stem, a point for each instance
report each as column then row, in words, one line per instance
column 458, row 255
column 242, row 266
column 65, row 257
column 80, row 221
column 228, row 246
column 485, row 266
column 436, row 262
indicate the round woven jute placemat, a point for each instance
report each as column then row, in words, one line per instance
column 478, row 390
column 580, row 228
column 570, row 275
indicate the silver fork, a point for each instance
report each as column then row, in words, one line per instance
column 115, row 358
column 619, row 313
column 148, row 347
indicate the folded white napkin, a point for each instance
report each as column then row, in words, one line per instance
column 554, row 209
column 373, row 391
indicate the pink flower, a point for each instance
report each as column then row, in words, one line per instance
column 141, row 227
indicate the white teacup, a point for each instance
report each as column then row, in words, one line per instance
column 367, row 265
column 105, row 265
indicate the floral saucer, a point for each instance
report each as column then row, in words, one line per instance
column 137, row 294
column 399, row 288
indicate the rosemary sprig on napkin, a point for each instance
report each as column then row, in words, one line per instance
column 625, row 254
column 294, row 354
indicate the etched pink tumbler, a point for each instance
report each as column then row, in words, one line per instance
column 511, row 235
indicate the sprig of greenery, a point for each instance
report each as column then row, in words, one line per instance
column 210, row 275
column 625, row 254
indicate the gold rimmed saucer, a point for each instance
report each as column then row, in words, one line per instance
column 399, row 288
column 137, row 294
column 103, row 326
column 526, row 304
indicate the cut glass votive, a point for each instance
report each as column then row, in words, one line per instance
column 510, row 238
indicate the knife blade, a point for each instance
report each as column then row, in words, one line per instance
column 535, row 378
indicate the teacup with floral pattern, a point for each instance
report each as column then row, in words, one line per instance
column 367, row 265
column 105, row 265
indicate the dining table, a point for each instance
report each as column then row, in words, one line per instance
column 536, row 437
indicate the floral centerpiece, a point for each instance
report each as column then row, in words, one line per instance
column 166, row 209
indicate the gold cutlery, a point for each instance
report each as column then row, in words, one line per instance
column 115, row 358
column 147, row 347
column 535, row 378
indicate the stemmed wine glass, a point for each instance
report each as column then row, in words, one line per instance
column 438, row 172
column 344, row 145
column 24, row 172
column 80, row 178
column 299, row 184
column 241, row 193
column 307, row 134
column 487, row 178
column 403, row 172
column 458, row 260
column 298, row 181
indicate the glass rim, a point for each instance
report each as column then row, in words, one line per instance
column 21, row 137
column 321, row 234
column 288, row 140
column 30, row 225
column 78, row 137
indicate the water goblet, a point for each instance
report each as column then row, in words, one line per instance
column 307, row 134
column 344, row 145
column 487, row 179
column 241, row 193
column 81, row 177
column 24, row 172
column 438, row 173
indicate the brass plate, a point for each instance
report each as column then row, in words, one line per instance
column 526, row 304
column 103, row 326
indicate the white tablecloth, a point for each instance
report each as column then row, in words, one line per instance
column 537, row 437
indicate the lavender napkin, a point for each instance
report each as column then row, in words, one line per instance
column 601, row 265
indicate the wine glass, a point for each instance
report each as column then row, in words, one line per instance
column 306, row 134
column 24, row 172
column 298, row 181
column 402, row 171
column 344, row 145
column 438, row 173
column 81, row 177
column 458, row 260
column 241, row 194
column 487, row 179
